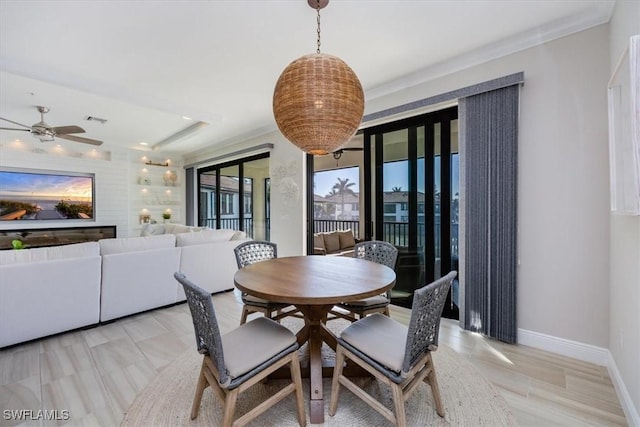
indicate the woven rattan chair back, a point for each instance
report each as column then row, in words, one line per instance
column 424, row 325
column 253, row 251
column 208, row 340
column 377, row 251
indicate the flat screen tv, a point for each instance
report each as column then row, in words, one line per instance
column 35, row 195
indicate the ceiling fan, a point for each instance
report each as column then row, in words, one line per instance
column 44, row 132
column 338, row 153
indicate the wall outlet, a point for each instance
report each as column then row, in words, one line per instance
column 621, row 338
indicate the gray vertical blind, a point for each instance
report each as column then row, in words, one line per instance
column 189, row 188
column 490, row 122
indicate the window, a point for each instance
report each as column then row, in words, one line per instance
column 226, row 204
column 390, row 208
column 247, row 203
column 232, row 200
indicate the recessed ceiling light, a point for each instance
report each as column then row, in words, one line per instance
column 144, row 143
column 187, row 118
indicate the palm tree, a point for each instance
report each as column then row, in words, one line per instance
column 396, row 189
column 342, row 187
column 330, row 195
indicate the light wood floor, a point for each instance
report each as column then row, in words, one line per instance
column 96, row 373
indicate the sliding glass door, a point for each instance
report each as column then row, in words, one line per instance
column 235, row 195
column 411, row 193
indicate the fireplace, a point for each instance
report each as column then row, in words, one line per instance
column 41, row 237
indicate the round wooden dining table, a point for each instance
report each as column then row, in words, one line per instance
column 314, row 284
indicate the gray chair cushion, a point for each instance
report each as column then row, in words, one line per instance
column 254, row 343
column 368, row 302
column 254, row 300
column 379, row 337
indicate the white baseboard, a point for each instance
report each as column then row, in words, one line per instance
column 630, row 411
column 577, row 350
column 587, row 353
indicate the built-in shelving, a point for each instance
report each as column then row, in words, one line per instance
column 157, row 188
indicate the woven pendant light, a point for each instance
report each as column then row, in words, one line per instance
column 318, row 100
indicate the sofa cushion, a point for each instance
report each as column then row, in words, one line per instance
column 136, row 244
column 239, row 235
column 152, row 230
column 346, row 239
column 204, row 236
column 318, row 242
column 177, row 228
column 76, row 250
column 331, row 242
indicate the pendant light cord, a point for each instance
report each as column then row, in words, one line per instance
column 318, row 9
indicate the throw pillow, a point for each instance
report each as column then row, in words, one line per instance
column 318, row 241
column 204, row 237
column 331, row 242
column 179, row 228
column 346, row 239
column 152, row 230
column 239, row 235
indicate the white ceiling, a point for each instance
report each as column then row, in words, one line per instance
column 143, row 65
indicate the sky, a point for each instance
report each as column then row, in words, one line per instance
column 395, row 175
column 20, row 184
column 324, row 181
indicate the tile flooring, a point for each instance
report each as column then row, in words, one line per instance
column 96, row 373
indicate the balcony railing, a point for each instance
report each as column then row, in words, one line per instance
column 394, row 232
column 326, row 225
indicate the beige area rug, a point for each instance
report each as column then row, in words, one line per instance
column 469, row 399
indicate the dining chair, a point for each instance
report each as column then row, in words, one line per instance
column 397, row 355
column 234, row 362
column 248, row 253
column 379, row 252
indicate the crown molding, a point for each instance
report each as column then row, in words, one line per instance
column 525, row 40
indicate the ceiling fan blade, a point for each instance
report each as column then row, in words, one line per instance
column 15, row 123
column 80, row 139
column 25, row 130
column 63, row 130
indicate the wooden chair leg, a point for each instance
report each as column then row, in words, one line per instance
column 335, row 382
column 229, row 408
column 245, row 313
column 398, row 405
column 432, row 380
column 200, row 387
column 296, row 376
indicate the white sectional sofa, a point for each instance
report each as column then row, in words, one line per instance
column 44, row 291
column 137, row 274
column 208, row 259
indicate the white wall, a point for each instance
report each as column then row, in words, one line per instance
column 563, row 280
column 287, row 172
column 563, row 239
column 624, row 328
column 118, row 199
column 111, row 183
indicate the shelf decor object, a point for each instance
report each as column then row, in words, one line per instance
column 318, row 100
column 152, row 163
column 624, row 131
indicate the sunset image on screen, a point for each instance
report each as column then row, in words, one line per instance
column 39, row 196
